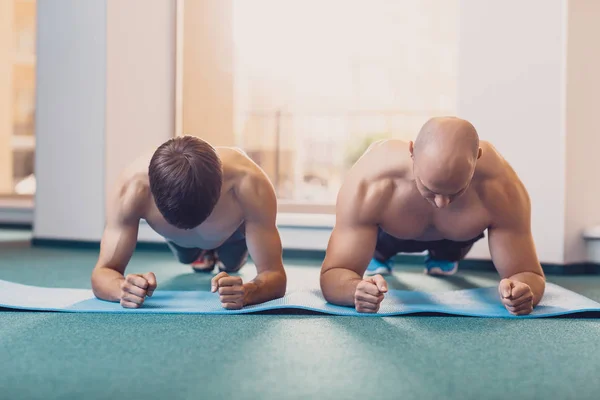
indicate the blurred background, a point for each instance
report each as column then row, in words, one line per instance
column 303, row 87
column 17, row 97
column 311, row 84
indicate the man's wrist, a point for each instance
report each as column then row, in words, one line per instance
column 250, row 289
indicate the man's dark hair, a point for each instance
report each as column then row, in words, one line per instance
column 185, row 179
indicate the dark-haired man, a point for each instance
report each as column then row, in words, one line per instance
column 212, row 205
column 437, row 195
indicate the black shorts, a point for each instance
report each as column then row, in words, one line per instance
column 447, row 250
column 233, row 253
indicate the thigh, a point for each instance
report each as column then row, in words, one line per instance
column 448, row 250
column 388, row 246
column 183, row 254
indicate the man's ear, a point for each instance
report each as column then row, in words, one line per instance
column 479, row 153
column 411, row 148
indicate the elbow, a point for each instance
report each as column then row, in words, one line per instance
column 277, row 284
column 95, row 283
column 282, row 286
column 326, row 289
column 98, row 289
column 103, row 287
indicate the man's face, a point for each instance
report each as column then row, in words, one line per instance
column 440, row 190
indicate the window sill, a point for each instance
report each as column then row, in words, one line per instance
column 17, row 210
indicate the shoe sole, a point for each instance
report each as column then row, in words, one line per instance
column 205, row 270
column 379, row 271
column 437, row 271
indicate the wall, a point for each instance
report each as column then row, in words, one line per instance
column 511, row 86
column 106, row 94
column 140, row 89
column 70, row 118
column 208, row 71
column 583, row 130
column 6, row 120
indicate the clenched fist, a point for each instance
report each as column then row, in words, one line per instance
column 135, row 288
column 231, row 290
column 369, row 294
column 516, row 296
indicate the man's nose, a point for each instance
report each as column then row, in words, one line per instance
column 441, row 201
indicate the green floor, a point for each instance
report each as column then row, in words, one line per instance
column 95, row 356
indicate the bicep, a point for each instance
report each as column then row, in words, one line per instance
column 350, row 247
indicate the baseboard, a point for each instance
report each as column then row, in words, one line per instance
column 65, row 244
column 16, row 226
column 92, row 245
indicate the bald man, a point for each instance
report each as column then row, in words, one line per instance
column 436, row 195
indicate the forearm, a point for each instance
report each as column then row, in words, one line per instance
column 536, row 282
column 339, row 286
column 106, row 284
column 266, row 286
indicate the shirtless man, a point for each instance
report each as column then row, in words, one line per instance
column 211, row 205
column 438, row 194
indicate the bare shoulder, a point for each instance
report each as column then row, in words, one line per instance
column 131, row 197
column 251, row 185
column 373, row 182
column 500, row 188
column 236, row 163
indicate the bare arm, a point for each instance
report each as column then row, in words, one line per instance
column 117, row 245
column 352, row 244
column 257, row 196
column 511, row 242
column 349, row 251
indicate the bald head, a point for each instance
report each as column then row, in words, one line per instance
column 446, row 136
column 445, row 153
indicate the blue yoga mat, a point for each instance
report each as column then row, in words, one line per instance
column 481, row 302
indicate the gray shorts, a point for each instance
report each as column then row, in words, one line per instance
column 233, row 253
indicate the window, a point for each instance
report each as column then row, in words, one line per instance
column 17, row 97
column 305, row 86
